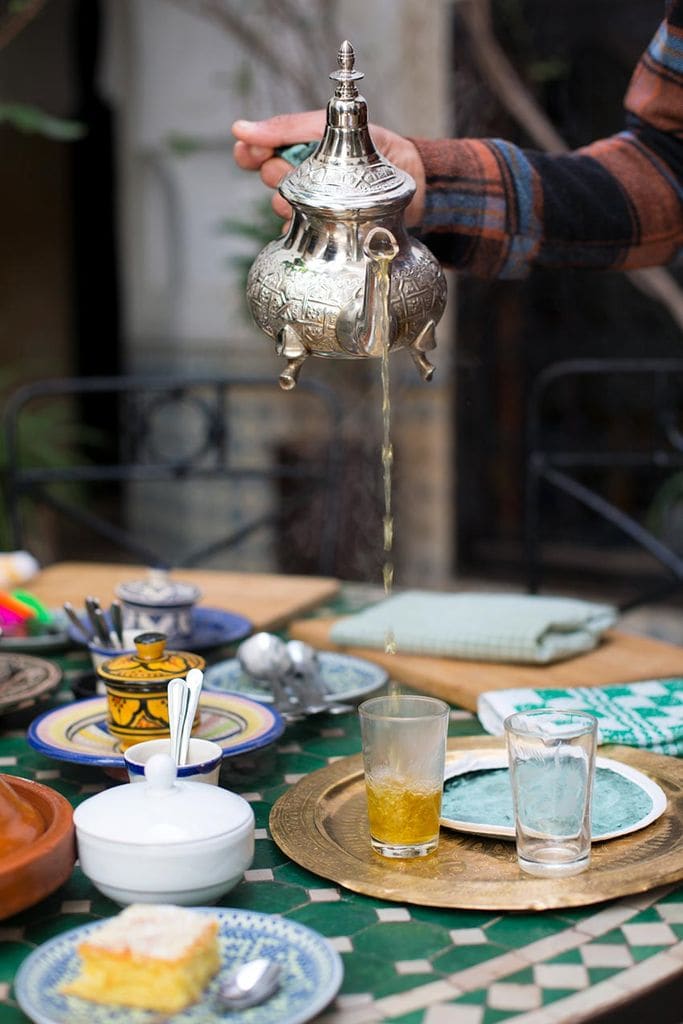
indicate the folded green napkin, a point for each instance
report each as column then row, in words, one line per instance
column 485, row 627
column 647, row 714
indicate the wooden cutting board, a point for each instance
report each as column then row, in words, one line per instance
column 268, row 601
column 620, row 658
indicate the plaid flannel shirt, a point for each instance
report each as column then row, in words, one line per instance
column 496, row 210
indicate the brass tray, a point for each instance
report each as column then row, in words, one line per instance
column 321, row 824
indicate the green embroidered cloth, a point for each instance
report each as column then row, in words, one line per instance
column 648, row 714
column 480, row 626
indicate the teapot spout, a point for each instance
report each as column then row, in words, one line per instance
column 363, row 327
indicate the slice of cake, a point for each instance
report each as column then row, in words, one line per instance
column 155, row 957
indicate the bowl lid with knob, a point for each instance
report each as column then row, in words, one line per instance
column 162, row 809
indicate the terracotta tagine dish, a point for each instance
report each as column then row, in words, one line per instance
column 37, row 845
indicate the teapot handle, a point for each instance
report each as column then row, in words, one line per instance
column 298, row 152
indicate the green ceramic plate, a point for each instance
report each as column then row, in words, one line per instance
column 477, row 797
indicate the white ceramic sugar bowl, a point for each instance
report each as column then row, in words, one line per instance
column 164, row 840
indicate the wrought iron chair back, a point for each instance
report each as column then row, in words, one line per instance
column 659, row 384
column 145, row 453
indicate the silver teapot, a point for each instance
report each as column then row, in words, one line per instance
column 347, row 278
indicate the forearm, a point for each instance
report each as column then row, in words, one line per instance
column 496, row 210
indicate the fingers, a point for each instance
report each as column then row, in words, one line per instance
column 273, row 171
column 256, row 140
column 281, row 130
column 281, row 207
column 250, row 158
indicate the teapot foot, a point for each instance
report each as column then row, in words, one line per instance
column 290, row 345
column 425, row 341
column 425, row 368
column 290, row 374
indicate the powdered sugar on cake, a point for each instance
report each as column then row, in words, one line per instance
column 164, row 932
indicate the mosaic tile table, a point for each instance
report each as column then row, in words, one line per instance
column 405, row 964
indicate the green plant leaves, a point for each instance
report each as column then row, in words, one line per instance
column 31, row 120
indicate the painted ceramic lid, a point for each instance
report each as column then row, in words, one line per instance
column 158, row 591
column 151, row 662
column 162, row 809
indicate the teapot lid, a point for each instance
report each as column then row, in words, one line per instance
column 162, row 809
column 151, row 661
column 346, row 173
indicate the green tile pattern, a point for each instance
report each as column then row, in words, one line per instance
column 403, row 964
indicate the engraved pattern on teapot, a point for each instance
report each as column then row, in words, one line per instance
column 362, row 178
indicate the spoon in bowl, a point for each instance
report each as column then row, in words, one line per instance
column 178, row 704
column 193, row 684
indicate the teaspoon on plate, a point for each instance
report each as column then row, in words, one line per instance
column 250, row 984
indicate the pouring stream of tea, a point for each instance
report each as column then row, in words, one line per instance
column 387, row 463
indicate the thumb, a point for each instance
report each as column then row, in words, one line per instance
column 281, row 130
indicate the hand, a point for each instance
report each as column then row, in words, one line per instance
column 256, row 141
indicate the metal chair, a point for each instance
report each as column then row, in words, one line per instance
column 550, row 462
column 148, row 442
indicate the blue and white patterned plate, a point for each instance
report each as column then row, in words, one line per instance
column 311, row 976
column 211, row 627
column 346, row 678
column 477, row 797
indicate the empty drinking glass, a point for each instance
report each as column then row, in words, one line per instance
column 404, row 750
column 552, row 767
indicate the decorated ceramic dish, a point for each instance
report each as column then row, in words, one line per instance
column 24, row 680
column 137, row 687
column 478, row 798
column 345, row 677
column 78, row 732
column 31, row 872
column 211, row 627
column 159, row 603
column 311, row 975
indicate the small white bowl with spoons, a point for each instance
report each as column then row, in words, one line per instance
column 197, row 760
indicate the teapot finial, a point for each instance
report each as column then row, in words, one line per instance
column 346, row 76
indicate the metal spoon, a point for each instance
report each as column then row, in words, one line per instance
column 316, row 694
column 116, row 613
column 193, row 685
column 72, row 614
column 104, row 630
column 92, row 607
column 305, row 660
column 178, row 703
column 268, row 660
column 250, row 984
column 264, row 657
column 305, row 677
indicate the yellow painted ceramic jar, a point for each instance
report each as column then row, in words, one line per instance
column 137, row 688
